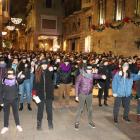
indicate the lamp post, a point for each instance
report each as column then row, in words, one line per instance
column 0, row 24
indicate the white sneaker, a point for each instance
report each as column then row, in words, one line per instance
column 19, row 128
column 4, row 130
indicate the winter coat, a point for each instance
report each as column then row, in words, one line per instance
column 123, row 86
column 44, row 88
column 63, row 76
column 10, row 90
column 22, row 68
column 84, row 85
column 106, row 70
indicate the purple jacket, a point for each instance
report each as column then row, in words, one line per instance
column 84, row 85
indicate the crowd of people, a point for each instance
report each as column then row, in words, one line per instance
column 32, row 74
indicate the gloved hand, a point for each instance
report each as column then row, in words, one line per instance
column 115, row 95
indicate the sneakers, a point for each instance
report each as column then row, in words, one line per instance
column 115, row 120
column 4, row 130
column 39, row 125
column 76, row 126
column 67, row 106
column 126, row 119
column 24, row 96
column 50, row 125
column 19, row 128
column 92, row 125
column 60, row 106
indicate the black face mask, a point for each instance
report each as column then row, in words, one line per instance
column 10, row 73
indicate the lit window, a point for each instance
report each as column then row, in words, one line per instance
column 119, row 9
column 137, row 11
column 101, row 11
column 89, row 21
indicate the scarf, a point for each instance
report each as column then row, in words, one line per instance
column 87, row 75
column 10, row 82
column 3, row 65
column 64, row 67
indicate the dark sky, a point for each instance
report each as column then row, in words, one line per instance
column 18, row 8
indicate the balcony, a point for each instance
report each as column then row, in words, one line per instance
column 87, row 4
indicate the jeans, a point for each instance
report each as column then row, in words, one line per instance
column 31, row 82
column 6, row 109
column 89, row 101
column 55, row 76
column 48, row 103
column 126, row 103
column 25, row 86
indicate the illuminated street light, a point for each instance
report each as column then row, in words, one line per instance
column 16, row 20
column 4, row 33
column 11, row 28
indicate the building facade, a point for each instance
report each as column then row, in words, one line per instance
column 102, row 26
column 43, row 25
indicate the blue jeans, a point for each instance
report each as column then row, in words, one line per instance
column 25, row 86
column 55, row 76
column 31, row 81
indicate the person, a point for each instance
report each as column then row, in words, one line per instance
column 83, row 92
column 104, row 84
column 9, row 97
column 56, row 66
column 64, row 81
column 3, row 68
column 122, row 89
column 24, row 66
column 43, row 88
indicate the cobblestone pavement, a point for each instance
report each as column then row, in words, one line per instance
column 63, row 120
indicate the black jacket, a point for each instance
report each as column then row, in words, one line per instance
column 44, row 89
column 56, row 65
column 106, row 70
column 9, row 93
column 21, row 67
column 64, row 77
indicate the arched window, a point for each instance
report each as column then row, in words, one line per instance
column 101, row 11
column 119, row 9
column 137, row 10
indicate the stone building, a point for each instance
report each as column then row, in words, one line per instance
column 102, row 26
column 43, row 25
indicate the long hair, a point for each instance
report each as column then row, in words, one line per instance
column 39, row 72
column 128, row 72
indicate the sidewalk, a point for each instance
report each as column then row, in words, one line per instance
column 64, row 120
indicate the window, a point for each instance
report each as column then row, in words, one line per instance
column 48, row 3
column 89, row 21
column 137, row 11
column 101, row 11
column 119, row 9
column 48, row 24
